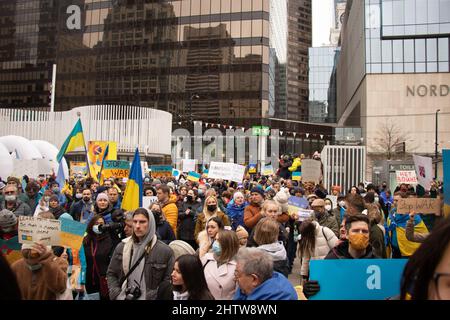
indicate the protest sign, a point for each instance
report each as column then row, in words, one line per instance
column 304, row 214
column 252, row 168
column 72, row 233
column 408, row 177
column 296, row 176
column 424, row 171
column 116, row 169
column 161, row 171
column 226, row 171
column 357, row 279
column 419, row 205
column 194, row 176
column 31, row 168
column 33, row 229
column 144, row 168
column 77, row 167
column 96, row 153
column 311, row 170
column 296, row 203
column 11, row 249
column 267, row 170
column 189, row 165
column 176, row 173
column 446, row 159
column 147, row 201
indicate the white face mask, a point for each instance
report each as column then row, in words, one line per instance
column 10, row 197
column 328, row 207
column 377, row 199
column 342, row 204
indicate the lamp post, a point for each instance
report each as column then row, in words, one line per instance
column 191, row 97
column 436, row 146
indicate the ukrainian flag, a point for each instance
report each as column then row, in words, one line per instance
column 132, row 198
column 194, row 176
column 74, row 141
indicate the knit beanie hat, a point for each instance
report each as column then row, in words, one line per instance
column 258, row 190
column 8, row 219
column 101, row 196
column 281, row 198
column 180, row 248
column 54, row 198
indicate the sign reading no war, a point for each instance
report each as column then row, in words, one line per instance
column 357, row 279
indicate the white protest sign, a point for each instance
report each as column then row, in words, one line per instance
column 189, row 165
column 227, row 171
column 144, row 167
column 304, row 214
column 147, row 201
column 424, row 171
column 33, row 229
column 311, row 170
column 408, row 177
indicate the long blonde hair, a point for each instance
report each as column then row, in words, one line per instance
column 205, row 208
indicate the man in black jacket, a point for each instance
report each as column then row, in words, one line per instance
column 356, row 246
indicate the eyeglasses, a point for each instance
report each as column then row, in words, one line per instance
column 442, row 284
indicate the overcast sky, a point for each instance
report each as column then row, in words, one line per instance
column 323, row 16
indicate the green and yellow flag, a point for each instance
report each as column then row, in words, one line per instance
column 74, row 141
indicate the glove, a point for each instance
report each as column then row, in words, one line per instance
column 311, row 288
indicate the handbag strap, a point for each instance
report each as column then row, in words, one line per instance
column 136, row 264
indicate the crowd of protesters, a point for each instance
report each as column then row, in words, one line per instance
column 216, row 239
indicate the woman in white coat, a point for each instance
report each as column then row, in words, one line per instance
column 219, row 266
column 314, row 244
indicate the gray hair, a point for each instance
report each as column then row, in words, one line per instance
column 255, row 261
column 16, row 190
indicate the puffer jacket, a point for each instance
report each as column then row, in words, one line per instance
column 236, row 214
column 170, row 211
column 325, row 241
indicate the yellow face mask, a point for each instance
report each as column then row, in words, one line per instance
column 359, row 241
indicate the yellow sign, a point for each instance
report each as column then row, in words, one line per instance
column 96, row 151
column 77, row 167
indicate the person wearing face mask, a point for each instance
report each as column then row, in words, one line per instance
column 186, row 218
column 40, row 274
column 324, row 218
column 98, row 248
column 55, row 188
column 82, row 210
column 12, row 202
column 163, row 230
column 356, row 246
column 210, row 210
column 220, row 264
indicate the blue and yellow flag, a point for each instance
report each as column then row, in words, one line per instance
column 194, row 176
column 132, row 198
column 74, row 141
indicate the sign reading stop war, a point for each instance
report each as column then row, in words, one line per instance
column 419, row 205
column 116, row 169
column 33, row 229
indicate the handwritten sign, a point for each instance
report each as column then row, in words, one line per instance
column 408, row 177
column 161, row 171
column 189, row 165
column 267, row 170
column 33, row 229
column 147, row 201
column 296, row 203
column 311, row 170
column 77, row 167
column 227, row 171
column 419, row 205
column 304, row 214
column 116, row 168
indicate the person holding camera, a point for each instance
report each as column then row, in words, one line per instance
column 141, row 266
column 98, row 247
column 187, row 218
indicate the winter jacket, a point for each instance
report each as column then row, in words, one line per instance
column 276, row 288
column 296, row 165
column 376, row 240
column 186, row 222
column 45, row 283
column 201, row 222
column 282, row 236
column 20, row 209
column 220, row 279
column 236, row 214
column 57, row 212
column 158, row 268
column 329, row 221
column 341, row 252
column 33, row 202
column 81, row 209
column 170, row 211
column 98, row 252
column 252, row 215
column 279, row 256
column 164, row 232
column 325, row 241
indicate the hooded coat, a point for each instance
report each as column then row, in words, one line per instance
column 279, row 256
column 170, row 211
column 154, row 270
column 236, row 213
column 276, row 288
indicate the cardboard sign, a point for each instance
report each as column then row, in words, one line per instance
column 116, row 169
column 72, row 233
column 304, row 214
column 161, row 171
column 226, row 171
column 357, row 279
column 267, row 170
column 419, row 205
column 77, row 167
column 296, row 203
column 10, row 249
column 311, row 170
column 33, row 229
column 147, row 201
column 408, row 177
column 424, row 171
column 189, row 165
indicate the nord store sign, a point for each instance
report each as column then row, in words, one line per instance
column 432, row 90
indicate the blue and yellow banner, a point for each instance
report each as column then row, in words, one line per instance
column 296, row 176
column 193, row 176
column 132, row 198
column 158, row 172
column 74, row 141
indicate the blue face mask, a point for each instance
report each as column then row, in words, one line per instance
column 216, row 248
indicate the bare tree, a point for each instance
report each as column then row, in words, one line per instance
column 390, row 138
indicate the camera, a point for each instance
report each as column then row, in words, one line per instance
column 133, row 292
column 113, row 226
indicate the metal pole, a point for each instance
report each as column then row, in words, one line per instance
column 436, row 146
column 52, row 102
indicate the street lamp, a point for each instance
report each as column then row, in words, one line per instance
column 193, row 96
column 436, row 146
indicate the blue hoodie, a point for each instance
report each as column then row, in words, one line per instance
column 236, row 214
column 276, row 288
